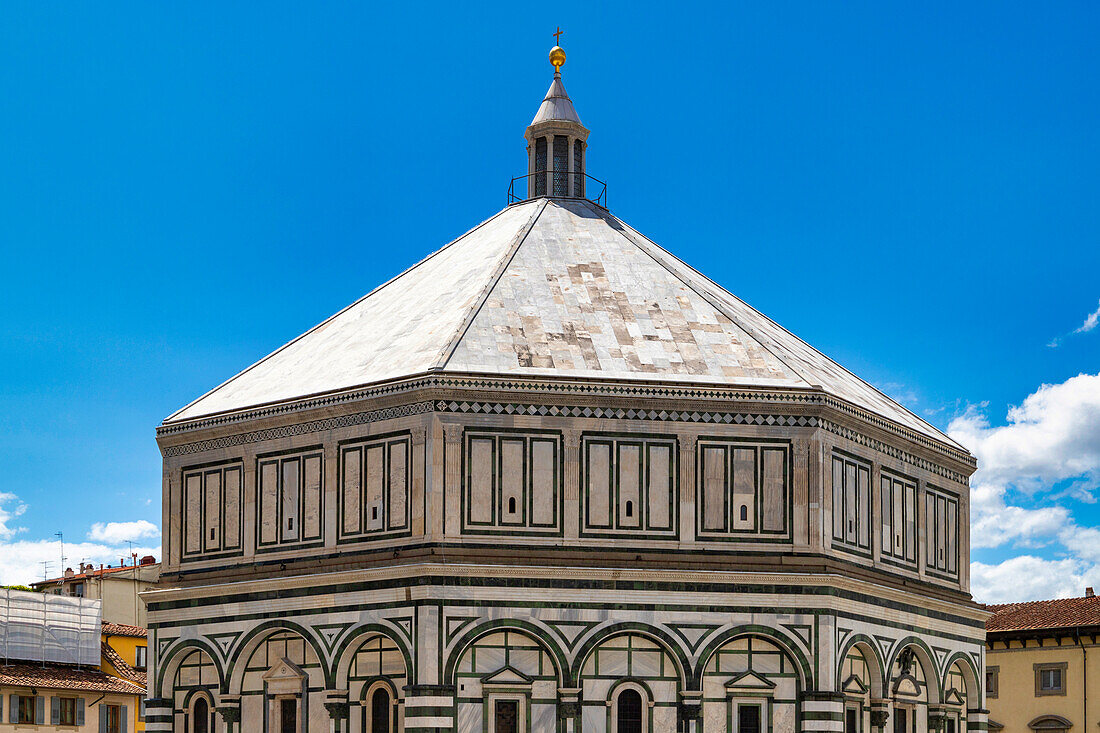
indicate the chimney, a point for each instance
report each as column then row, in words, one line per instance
column 148, row 560
column 1089, row 592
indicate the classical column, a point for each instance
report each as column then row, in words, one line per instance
column 571, row 520
column 880, row 715
column 688, row 488
column 452, row 478
column 418, row 496
column 336, row 703
column 937, row 718
column 569, row 708
column 822, row 711
column 691, row 710
column 229, row 707
column 158, row 715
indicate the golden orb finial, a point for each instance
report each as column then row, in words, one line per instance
column 557, row 57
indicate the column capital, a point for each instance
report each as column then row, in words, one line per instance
column 571, row 438
column 688, row 442
column 452, row 432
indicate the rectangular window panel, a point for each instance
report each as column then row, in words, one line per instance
column 398, row 484
column 269, row 502
column 352, row 513
column 211, row 505
column 288, row 500
column 231, row 525
column 311, row 497
column 373, row 496
column 863, row 506
column 374, row 477
column 544, row 471
column 482, row 470
column 773, row 496
column 512, row 479
column 852, row 504
column 942, row 537
column 899, row 496
column 744, row 489
column 659, row 476
column 630, row 486
column 192, row 506
column 715, row 510
column 599, row 484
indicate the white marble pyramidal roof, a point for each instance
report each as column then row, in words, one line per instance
column 547, row 288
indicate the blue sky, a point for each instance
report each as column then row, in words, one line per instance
column 911, row 189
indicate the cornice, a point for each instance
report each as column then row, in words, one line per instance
column 419, row 570
column 439, row 382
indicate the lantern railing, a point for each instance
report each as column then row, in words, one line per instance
column 570, row 182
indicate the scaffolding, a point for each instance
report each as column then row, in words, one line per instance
column 43, row 627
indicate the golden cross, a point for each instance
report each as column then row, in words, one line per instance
column 557, row 37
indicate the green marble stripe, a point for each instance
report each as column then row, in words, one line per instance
column 821, row 715
column 557, row 585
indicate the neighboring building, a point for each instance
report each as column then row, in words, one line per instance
column 125, row 655
column 554, row 480
column 1043, row 665
column 118, row 587
column 36, row 696
column 57, row 674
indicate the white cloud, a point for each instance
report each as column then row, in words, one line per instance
column 1052, row 436
column 6, row 514
column 117, row 533
column 1090, row 323
column 1027, row 577
column 21, row 560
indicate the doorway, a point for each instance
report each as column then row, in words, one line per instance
column 629, row 712
column 200, row 716
column 288, row 715
column 506, row 716
column 748, row 719
column 380, row 711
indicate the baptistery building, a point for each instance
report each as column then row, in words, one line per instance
column 552, row 479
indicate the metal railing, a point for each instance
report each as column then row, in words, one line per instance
column 570, row 182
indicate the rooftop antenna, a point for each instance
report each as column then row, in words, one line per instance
column 61, row 538
column 45, row 570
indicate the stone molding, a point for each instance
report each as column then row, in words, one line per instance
column 566, row 386
column 715, row 417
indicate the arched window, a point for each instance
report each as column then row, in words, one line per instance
column 629, row 711
column 630, row 509
column 200, row 716
column 511, row 505
column 380, row 711
column 744, row 513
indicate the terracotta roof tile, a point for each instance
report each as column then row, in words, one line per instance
column 112, row 629
column 1055, row 614
column 125, row 671
column 64, row 677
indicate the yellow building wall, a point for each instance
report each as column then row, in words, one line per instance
column 1016, row 703
column 126, row 646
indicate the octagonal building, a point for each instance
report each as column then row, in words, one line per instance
column 551, row 479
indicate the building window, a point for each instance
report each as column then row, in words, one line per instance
column 942, row 518
column 991, row 674
column 77, row 590
column 899, row 518
column 851, row 503
column 113, row 719
column 140, row 655
column 561, row 165
column 1050, row 678
column 26, row 709
column 66, row 711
